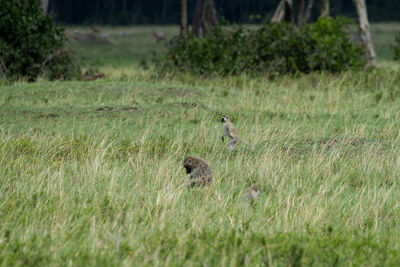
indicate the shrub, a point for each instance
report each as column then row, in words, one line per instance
column 275, row 48
column 331, row 48
column 30, row 43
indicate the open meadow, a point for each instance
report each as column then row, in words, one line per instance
column 91, row 172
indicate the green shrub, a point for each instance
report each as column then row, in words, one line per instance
column 331, row 48
column 396, row 47
column 31, row 45
column 275, row 49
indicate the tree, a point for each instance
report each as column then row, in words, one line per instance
column 323, row 8
column 164, row 10
column 45, row 5
column 365, row 32
column 284, row 12
column 307, row 16
column 205, row 17
column 300, row 12
column 31, row 45
column 184, row 26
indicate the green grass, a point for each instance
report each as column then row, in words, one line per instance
column 91, row 172
column 126, row 47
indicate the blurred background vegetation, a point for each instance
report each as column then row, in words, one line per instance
column 111, row 37
column 127, row 12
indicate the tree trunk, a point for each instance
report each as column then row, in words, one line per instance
column 284, row 12
column 184, row 26
column 365, row 32
column 45, row 5
column 124, row 5
column 164, row 11
column 307, row 16
column 198, row 14
column 300, row 12
column 205, row 17
column 279, row 12
column 323, row 8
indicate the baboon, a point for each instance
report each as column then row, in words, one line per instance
column 230, row 132
column 251, row 194
column 200, row 172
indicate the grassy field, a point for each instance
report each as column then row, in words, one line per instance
column 91, row 172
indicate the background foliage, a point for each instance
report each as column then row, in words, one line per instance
column 275, row 48
column 166, row 11
column 31, row 44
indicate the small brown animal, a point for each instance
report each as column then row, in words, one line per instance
column 199, row 170
column 160, row 36
column 95, row 29
column 91, row 77
column 251, row 194
column 230, row 132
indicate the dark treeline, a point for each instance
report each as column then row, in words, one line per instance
column 126, row 12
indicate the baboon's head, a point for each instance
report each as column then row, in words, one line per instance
column 225, row 118
column 188, row 164
column 256, row 189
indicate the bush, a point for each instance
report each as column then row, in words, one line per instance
column 396, row 47
column 275, row 49
column 30, row 43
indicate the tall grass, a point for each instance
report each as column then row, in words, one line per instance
column 91, row 173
